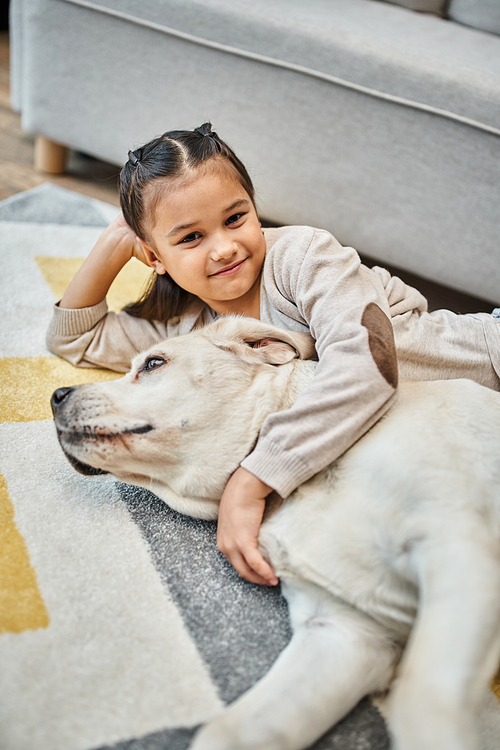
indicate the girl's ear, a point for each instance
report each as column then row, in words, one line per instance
column 152, row 258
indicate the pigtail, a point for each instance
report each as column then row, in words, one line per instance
column 206, row 131
column 161, row 300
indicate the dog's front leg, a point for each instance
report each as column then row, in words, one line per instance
column 454, row 648
column 335, row 658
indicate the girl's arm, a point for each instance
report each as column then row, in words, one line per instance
column 82, row 331
column 114, row 248
column 313, row 281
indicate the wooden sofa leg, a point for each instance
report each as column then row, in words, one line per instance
column 49, row 155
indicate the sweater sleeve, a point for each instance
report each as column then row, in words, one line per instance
column 94, row 337
column 325, row 287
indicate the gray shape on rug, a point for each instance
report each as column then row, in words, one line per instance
column 224, row 614
column 51, row 204
column 226, row 618
column 168, row 739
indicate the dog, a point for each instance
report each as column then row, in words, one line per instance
column 389, row 558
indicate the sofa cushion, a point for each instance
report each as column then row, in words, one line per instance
column 480, row 14
column 437, row 7
column 376, row 46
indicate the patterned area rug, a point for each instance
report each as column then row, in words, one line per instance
column 121, row 625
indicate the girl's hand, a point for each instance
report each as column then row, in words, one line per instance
column 112, row 251
column 124, row 239
column 240, row 516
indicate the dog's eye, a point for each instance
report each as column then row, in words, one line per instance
column 152, row 363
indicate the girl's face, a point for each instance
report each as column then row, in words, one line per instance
column 208, row 238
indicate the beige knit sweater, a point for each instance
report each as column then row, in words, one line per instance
column 309, row 283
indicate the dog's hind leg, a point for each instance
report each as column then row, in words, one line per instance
column 454, row 648
column 336, row 656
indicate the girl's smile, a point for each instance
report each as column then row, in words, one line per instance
column 207, row 236
column 229, row 269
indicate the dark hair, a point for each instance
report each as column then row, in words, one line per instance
column 170, row 155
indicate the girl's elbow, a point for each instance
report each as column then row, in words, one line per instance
column 64, row 349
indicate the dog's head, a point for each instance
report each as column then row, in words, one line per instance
column 186, row 414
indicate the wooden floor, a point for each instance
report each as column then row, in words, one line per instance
column 99, row 180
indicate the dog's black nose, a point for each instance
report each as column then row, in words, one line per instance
column 59, row 395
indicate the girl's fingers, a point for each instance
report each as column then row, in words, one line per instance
column 257, row 563
column 245, row 571
column 253, row 567
column 248, row 562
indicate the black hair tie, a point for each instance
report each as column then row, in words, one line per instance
column 206, row 131
column 133, row 159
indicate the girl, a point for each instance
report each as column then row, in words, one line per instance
column 189, row 212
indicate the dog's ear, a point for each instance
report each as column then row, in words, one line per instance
column 270, row 351
column 259, row 343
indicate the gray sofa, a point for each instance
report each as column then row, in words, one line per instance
column 372, row 120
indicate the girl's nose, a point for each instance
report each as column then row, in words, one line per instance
column 223, row 248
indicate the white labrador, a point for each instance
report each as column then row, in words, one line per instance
column 396, row 543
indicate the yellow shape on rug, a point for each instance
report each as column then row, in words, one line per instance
column 28, row 383
column 21, row 603
column 127, row 287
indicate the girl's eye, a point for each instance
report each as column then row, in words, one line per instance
column 191, row 237
column 152, row 363
column 234, row 218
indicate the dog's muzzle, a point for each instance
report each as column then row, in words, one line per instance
column 57, row 402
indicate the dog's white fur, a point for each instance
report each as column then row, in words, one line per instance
column 396, row 543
